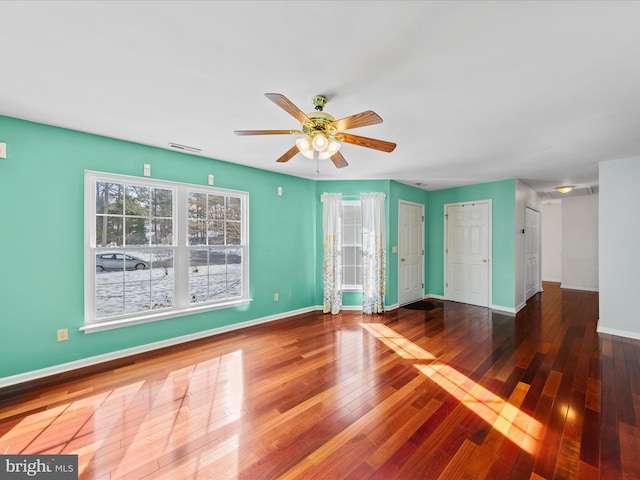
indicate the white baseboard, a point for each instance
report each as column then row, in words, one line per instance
column 95, row 360
column 433, row 295
column 574, row 287
column 500, row 308
column 617, row 333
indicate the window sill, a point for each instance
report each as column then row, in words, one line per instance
column 164, row 315
column 352, row 289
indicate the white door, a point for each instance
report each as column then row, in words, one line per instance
column 532, row 252
column 410, row 252
column 467, row 253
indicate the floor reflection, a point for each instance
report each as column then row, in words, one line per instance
column 501, row 415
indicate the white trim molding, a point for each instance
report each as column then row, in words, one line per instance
column 501, row 309
column 617, row 333
column 574, row 287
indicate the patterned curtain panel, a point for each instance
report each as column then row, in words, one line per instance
column 373, row 252
column 332, row 239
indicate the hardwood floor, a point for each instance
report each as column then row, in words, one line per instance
column 454, row 392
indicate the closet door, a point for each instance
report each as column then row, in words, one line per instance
column 468, row 265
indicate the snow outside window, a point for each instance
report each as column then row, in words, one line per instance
column 157, row 249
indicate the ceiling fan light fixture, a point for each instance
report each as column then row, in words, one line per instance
column 325, row 146
column 564, row 189
column 333, row 146
column 331, row 149
column 329, row 152
column 304, row 144
column 320, row 143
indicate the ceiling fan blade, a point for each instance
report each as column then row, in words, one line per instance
column 338, row 160
column 361, row 119
column 267, row 132
column 289, row 154
column 366, row 142
column 286, row 104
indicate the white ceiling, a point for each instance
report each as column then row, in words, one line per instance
column 470, row 91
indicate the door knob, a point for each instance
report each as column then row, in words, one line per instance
column 402, row 259
column 485, row 260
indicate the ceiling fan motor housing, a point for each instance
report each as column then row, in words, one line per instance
column 319, row 123
column 319, row 119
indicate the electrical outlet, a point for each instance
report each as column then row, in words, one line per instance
column 63, row 334
column 276, row 297
column 147, row 169
column 3, row 150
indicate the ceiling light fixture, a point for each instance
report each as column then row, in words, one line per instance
column 565, row 189
column 317, row 142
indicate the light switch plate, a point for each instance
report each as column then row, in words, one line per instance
column 3, row 150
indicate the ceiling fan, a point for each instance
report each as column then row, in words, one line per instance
column 322, row 133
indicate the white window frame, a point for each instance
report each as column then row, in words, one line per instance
column 181, row 300
column 356, row 287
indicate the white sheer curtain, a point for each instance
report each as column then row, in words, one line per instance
column 332, row 240
column 373, row 252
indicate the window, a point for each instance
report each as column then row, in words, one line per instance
column 157, row 249
column 215, row 253
column 351, row 245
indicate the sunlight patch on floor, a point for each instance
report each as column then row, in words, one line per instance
column 504, row 417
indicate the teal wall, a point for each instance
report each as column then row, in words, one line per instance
column 351, row 190
column 503, row 195
column 42, row 239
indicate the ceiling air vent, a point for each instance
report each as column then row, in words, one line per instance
column 184, row 148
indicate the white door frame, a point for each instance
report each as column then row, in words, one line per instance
column 527, row 234
column 489, row 246
column 400, row 242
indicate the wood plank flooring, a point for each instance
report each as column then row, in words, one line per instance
column 454, row 392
